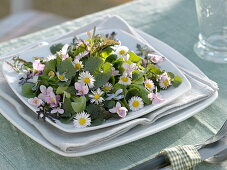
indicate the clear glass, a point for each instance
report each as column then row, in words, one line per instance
column 212, row 18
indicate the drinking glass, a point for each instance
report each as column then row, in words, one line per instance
column 212, row 19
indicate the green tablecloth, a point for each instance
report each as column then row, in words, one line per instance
column 172, row 21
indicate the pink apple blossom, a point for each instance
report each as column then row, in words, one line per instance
column 155, row 58
column 129, row 68
column 155, row 98
column 35, row 101
column 57, row 110
column 121, row 111
column 53, row 100
column 82, row 89
column 37, row 66
column 45, row 92
column 115, row 72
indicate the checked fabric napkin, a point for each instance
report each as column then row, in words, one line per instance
column 202, row 89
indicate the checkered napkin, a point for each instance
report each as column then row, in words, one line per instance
column 182, row 157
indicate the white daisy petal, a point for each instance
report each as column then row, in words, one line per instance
column 136, row 103
column 87, row 79
column 107, row 87
column 96, row 96
column 124, row 80
column 82, row 120
column 121, row 51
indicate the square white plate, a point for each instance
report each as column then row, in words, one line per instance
column 11, row 115
column 127, row 40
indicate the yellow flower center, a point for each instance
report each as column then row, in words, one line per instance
column 148, row 85
column 122, row 52
column 136, row 103
column 36, row 101
column 124, row 79
column 51, row 74
column 78, row 66
column 82, row 121
column 106, row 88
column 61, row 77
column 52, row 100
column 166, row 82
column 86, row 80
column 96, row 96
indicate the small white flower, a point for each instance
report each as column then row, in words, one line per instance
column 155, row 58
column 107, row 87
column 77, row 64
column 61, row 77
column 124, row 80
column 121, row 51
column 96, row 96
column 149, row 85
column 136, row 103
column 164, row 81
column 87, row 79
column 82, row 120
column 35, row 101
column 51, row 74
column 51, row 57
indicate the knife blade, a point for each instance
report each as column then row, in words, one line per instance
column 206, row 152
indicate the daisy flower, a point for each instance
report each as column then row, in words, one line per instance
column 164, row 81
column 121, row 51
column 155, row 98
column 77, row 64
column 61, row 77
column 124, row 80
column 121, row 111
column 51, row 74
column 86, row 78
column 107, row 87
column 136, row 103
column 82, row 120
column 96, row 96
column 35, row 101
column 149, row 85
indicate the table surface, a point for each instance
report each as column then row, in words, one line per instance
column 172, row 21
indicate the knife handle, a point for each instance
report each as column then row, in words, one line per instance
column 158, row 162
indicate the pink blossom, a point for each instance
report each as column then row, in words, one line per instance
column 53, row 99
column 121, row 111
column 35, row 101
column 82, row 89
column 129, row 68
column 81, row 55
column 37, row 66
column 45, row 92
column 63, row 53
column 155, row 98
column 155, row 58
column 115, row 72
column 57, row 110
column 126, row 57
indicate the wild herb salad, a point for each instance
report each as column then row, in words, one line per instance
column 92, row 80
